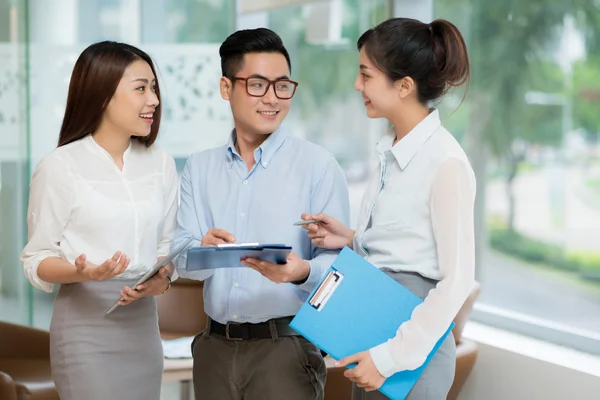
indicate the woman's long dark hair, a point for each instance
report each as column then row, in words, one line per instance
column 95, row 78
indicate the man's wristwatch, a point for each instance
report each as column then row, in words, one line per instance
column 169, row 286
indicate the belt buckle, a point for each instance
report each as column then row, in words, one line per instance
column 227, row 334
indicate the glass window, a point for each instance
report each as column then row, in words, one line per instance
column 14, row 289
column 200, row 21
column 530, row 124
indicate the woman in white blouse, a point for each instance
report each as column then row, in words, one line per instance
column 102, row 210
column 416, row 218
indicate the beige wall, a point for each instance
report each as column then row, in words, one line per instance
column 502, row 374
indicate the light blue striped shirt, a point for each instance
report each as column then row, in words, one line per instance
column 290, row 176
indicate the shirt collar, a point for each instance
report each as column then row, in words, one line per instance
column 231, row 150
column 101, row 151
column 407, row 147
column 265, row 152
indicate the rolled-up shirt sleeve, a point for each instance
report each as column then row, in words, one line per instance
column 171, row 188
column 50, row 204
column 452, row 217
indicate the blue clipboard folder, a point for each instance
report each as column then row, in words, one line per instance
column 230, row 255
column 356, row 307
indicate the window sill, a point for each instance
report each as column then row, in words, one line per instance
column 533, row 348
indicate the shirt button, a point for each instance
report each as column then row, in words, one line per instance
column 242, row 215
column 245, row 181
column 236, row 284
column 235, row 316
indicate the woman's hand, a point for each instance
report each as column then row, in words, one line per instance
column 365, row 374
column 328, row 232
column 152, row 287
column 108, row 269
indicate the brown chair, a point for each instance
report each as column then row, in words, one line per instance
column 8, row 387
column 466, row 350
column 181, row 314
column 25, row 358
column 337, row 386
column 181, row 309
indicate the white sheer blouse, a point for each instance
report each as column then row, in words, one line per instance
column 81, row 202
column 417, row 216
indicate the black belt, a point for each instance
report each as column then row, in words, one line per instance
column 265, row 330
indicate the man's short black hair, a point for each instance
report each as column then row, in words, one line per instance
column 239, row 43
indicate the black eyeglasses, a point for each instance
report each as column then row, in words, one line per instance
column 258, row 87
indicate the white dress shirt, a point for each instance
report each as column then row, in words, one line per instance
column 81, row 202
column 417, row 216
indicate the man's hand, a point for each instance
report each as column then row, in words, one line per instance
column 216, row 236
column 294, row 270
column 108, row 269
column 152, row 287
column 365, row 374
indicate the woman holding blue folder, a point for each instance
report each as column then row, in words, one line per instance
column 416, row 218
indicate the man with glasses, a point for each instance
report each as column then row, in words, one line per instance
column 253, row 190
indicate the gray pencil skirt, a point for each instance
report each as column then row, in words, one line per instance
column 437, row 378
column 104, row 357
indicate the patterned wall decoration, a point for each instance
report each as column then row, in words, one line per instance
column 195, row 116
column 11, row 95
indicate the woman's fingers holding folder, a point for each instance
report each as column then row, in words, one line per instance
column 129, row 295
column 152, row 287
column 365, row 374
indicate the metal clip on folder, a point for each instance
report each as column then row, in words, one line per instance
column 326, row 289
